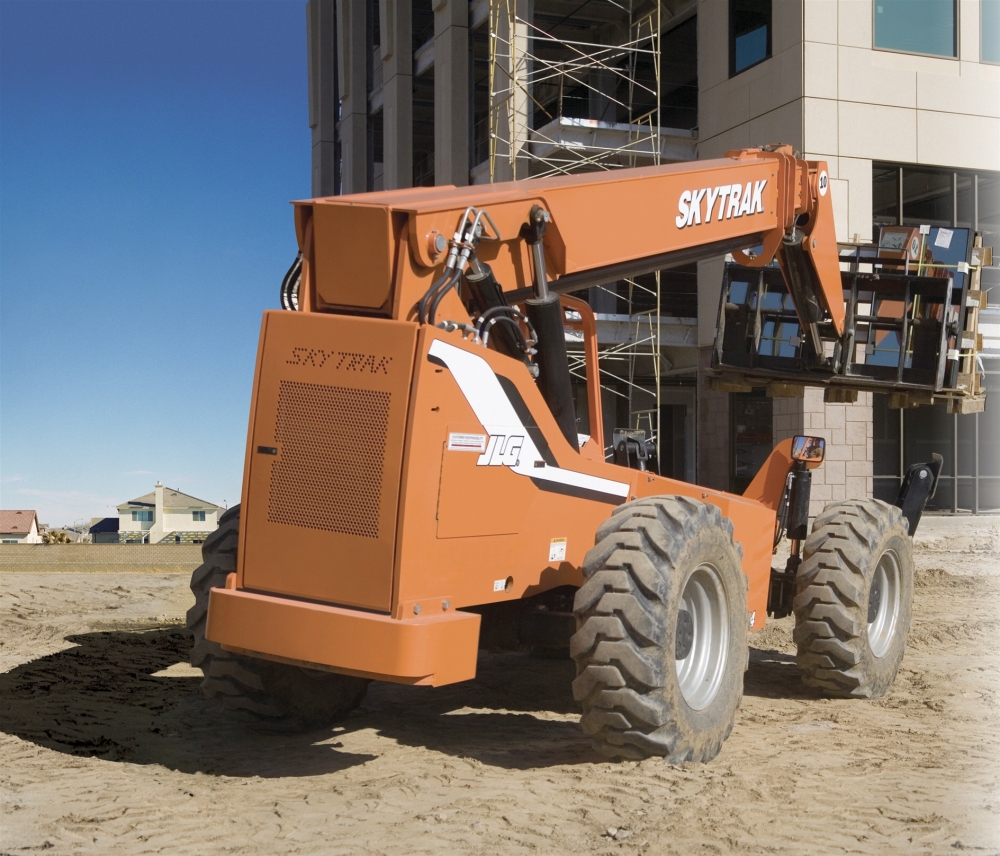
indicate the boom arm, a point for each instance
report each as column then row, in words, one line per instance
column 377, row 253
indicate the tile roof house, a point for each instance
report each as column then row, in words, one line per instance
column 166, row 515
column 19, row 527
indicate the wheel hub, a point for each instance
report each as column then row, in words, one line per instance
column 685, row 635
column 874, row 600
column 884, row 604
column 701, row 645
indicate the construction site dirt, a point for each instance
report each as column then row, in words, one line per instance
column 108, row 747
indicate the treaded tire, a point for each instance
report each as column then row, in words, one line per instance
column 833, row 599
column 627, row 616
column 274, row 696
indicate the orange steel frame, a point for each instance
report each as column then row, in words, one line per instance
column 455, row 530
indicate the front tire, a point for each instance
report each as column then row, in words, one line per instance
column 661, row 641
column 275, row 696
column 854, row 599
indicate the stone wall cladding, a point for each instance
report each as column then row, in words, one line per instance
column 99, row 558
column 847, row 428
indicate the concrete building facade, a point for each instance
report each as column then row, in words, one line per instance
column 904, row 108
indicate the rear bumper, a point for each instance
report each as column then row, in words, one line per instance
column 436, row 650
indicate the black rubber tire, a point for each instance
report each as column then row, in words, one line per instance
column 832, row 591
column 626, row 616
column 274, row 696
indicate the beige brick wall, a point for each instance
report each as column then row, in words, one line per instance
column 846, row 472
column 847, row 428
column 99, row 558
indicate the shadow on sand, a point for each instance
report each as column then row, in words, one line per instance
column 102, row 699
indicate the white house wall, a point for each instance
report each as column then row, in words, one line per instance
column 183, row 521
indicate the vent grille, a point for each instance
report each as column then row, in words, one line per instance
column 329, row 472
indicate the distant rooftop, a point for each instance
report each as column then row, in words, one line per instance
column 171, row 499
column 17, row 522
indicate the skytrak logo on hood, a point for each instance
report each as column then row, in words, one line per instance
column 741, row 200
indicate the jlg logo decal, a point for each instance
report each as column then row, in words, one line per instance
column 734, row 200
column 504, row 450
column 351, row 362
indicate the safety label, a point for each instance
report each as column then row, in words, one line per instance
column 466, row 442
column 557, row 550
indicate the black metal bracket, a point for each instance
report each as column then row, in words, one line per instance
column 919, row 485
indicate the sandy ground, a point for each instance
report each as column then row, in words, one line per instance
column 107, row 747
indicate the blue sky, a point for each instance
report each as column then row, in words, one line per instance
column 148, row 150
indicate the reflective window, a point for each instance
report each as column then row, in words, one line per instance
column 990, row 31
column 885, row 196
column 749, row 33
column 927, row 197
column 988, row 187
column 917, row 26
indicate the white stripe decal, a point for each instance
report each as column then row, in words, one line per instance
column 493, row 409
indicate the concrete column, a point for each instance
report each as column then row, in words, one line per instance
column 451, row 92
column 352, row 44
column 397, row 87
column 323, row 95
column 511, row 107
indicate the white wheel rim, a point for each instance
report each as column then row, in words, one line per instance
column 883, row 604
column 700, row 672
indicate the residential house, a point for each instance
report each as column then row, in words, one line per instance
column 104, row 530
column 19, row 527
column 166, row 515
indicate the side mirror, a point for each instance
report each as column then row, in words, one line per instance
column 809, row 450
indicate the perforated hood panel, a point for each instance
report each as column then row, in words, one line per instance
column 324, row 457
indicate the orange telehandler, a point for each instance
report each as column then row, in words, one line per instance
column 416, row 485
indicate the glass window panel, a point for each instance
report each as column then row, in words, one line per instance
column 927, row 197
column 989, row 427
column 916, row 26
column 927, row 430
column 967, row 445
column 966, row 493
column 749, row 33
column 738, row 292
column 989, row 225
column 990, row 24
column 989, row 494
column 885, row 196
column 751, row 48
column 966, row 202
column 885, row 436
column 885, row 488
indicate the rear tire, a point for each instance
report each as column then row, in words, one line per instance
column 661, row 641
column 854, row 599
column 275, row 696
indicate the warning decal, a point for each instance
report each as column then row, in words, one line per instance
column 466, row 442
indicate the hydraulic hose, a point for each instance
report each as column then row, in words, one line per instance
column 439, row 283
column 453, row 280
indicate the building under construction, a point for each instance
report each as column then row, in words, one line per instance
column 429, row 92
